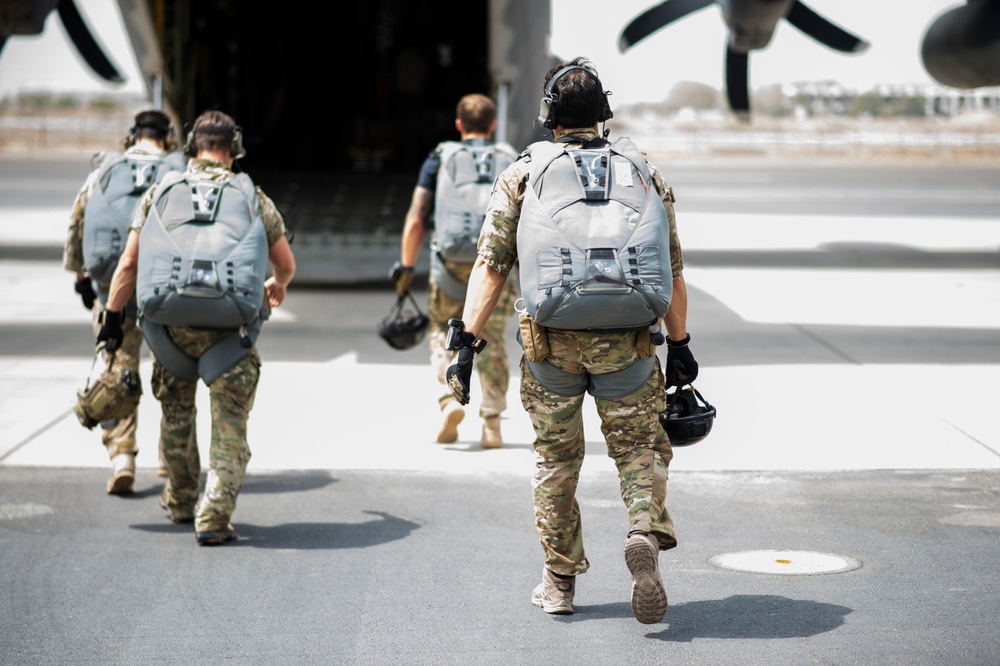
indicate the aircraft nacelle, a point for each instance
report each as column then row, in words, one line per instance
column 751, row 24
column 961, row 48
column 24, row 17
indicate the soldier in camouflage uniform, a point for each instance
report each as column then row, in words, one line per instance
column 636, row 442
column 475, row 121
column 149, row 136
column 214, row 146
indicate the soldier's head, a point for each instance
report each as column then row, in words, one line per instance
column 152, row 126
column 476, row 114
column 572, row 96
column 215, row 132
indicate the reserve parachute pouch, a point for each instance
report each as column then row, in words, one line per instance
column 111, row 396
column 534, row 338
column 603, row 273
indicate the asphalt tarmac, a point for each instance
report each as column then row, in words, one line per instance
column 844, row 510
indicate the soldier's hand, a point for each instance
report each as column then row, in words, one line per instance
column 681, row 366
column 85, row 288
column 275, row 292
column 460, row 375
column 401, row 276
column 111, row 333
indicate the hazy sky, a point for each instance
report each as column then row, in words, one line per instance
column 692, row 49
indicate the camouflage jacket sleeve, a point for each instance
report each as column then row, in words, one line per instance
column 274, row 223
column 667, row 197
column 73, row 250
column 142, row 209
column 498, row 240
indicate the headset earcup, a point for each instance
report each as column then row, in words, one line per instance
column 544, row 110
column 236, row 148
column 606, row 113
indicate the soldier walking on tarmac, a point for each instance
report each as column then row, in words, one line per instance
column 196, row 257
column 98, row 227
column 600, row 267
column 454, row 184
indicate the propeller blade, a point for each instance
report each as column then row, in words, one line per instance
column 85, row 43
column 737, row 82
column 656, row 17
column 824, row 31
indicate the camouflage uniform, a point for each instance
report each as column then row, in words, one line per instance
column 231, row 394
column 492, row 364
column 636, row 442
column 118, row 436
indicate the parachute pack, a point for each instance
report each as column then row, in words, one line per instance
column 593, row 239
column 120, row 182
column 464, row 183
column 202, row 263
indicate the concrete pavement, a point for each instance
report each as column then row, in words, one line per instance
column 363, row 542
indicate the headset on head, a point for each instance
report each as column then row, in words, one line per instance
column 546, row 108
column 132, row 136
column 236, row 148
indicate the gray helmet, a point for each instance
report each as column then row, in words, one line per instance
column 404, row 328
column 685, row 421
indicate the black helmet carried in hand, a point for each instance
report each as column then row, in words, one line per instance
column 403, row 328
column 685, row 420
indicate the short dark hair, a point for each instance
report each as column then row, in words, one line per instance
column 477, row 113
column 213, row 130
column 151, row 124
column 578, row 96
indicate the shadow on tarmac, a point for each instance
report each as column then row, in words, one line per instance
column 740, row 616
column 310, row 536
column 751, row 616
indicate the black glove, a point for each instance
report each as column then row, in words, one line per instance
column 86, row 290
column 401, row 276
column 681, row 366
column 460, row 375
column 111, row 333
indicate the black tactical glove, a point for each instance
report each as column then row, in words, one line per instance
column 681, row 366
column 460, row 375
column 86, row 290
column 401, row 276
column 111, row 333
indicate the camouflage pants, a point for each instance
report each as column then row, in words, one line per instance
column 635, row 440
column 118, row 435
column 491, row 364
column 232, row 396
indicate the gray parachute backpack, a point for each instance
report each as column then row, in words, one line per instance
column 202, row 263
column 593, row 240
column 464, row 183
column 120, row 182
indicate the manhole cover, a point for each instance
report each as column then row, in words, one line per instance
column 787, row 562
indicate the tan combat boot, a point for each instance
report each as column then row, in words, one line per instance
column 122, row 474
column 491, row 433
column 554, row 595
column 642, row 557
column 451, row 415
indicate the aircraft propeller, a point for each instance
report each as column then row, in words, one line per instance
column 751, row 24
column 27, row 17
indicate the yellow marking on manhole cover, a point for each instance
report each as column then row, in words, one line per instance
column 799, row 562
